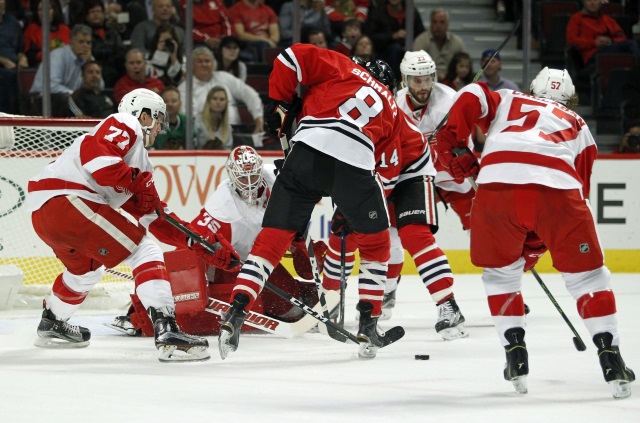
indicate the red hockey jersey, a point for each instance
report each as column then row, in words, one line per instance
column 346, row 112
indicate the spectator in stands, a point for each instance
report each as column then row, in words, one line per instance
column 163, row 12
column 211, row 22
column 387, row 28
column 213, row 131
column 165, row 59
column 439, row 42
column 143, row 10
column 591, row 32
column 18, row 11
column 631, row 139
column 351, row 31
column 66, row 72
column 11, row 57
column 339, row 11
column 59, row 33
column 106, row 44
column 255, row 24
column 90, row 100
column 312, row 17
column 491, row 74
column 204, row 78
column 363, row 49
column 317, row 38
column 173, row 138
column 228, row 58
column 136, row 76
column 459, row 72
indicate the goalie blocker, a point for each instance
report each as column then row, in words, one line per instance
column 192, row 283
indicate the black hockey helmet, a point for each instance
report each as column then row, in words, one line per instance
column 380, row 70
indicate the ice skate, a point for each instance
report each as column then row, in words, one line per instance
column 388, row 303
column 450, row 321
column 517, row 367
column 615, row 372
column 56, row 333
column 229, row 336
column 173, row 344
column 123, row 324
column 370, row 339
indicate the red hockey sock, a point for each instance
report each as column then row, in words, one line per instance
column 510, row 304
column 597, row 304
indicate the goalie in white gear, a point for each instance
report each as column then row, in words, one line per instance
column 74, row 202
column 535, row 177
column 235, row 210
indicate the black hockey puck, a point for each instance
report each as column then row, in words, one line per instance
column 422, row 357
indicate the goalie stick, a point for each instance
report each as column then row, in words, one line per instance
column 391, row 336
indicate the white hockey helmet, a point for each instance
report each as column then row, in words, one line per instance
column 554, row 84
column 141, row 99
column 244, row 167
column 417, row 63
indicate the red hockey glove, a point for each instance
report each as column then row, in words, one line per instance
column 145, row 196
column 280, row 115
column 464, row 166
column 300, row 255
column 225, row 257
column 532, row 250
column 338, row 223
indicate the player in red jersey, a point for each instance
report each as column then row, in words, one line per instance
column 534, row 176
column 74, row 203
column 347, row 121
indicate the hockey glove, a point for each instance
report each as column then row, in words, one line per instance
column 225, row 257
column 532, row 250
column 144, row 192
column 338, row 223
column 280, row 115
column 465, row 166
column 300, row 255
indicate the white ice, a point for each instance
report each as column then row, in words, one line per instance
column 118, row 379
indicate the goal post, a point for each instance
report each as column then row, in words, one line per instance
column 27, row 145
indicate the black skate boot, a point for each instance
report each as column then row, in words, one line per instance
column 517, row 367
column 229, row 336
column 450, row 321
column 170, row 339
column 388, row 303
column 615, row 372
column 56, row 333
column 370, row 339
column 123, row 324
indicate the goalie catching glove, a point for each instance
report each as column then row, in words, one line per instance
column 300, row 255
column 532, row 250
column 225, row 257
column 280, row 115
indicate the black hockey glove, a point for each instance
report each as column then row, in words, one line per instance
column 280, row 115
column 338, row 223
column 279, row 164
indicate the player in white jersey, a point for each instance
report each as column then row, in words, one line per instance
column 73, row 203
column 534, row 176
column 235, row 210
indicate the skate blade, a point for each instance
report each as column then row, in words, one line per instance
column 366, row 351
column 520, row 383
column 171, row 354
column 57, row 343
column 456, row 332
column 129, row 332
column 620, row 389
column 223, row 343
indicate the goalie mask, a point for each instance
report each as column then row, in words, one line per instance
column 140, row 100
column 419, row 75
column 244, row 167
column 554, row 84
column 380, row 70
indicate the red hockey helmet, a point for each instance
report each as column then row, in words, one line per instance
column 244, row 167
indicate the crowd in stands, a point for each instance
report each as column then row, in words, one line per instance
column 101, row 49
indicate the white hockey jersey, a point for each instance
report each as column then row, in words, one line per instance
column 90, row 166
column 239, row 222
column 530, row 140
column 426, row 119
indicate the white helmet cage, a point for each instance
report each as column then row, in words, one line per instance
column 141, row 99
column 417, row 63
column 554, row 84
column 244, row 167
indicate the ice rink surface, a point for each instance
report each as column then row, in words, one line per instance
column 316, row 379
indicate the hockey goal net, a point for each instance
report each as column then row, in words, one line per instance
column 28, row 144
